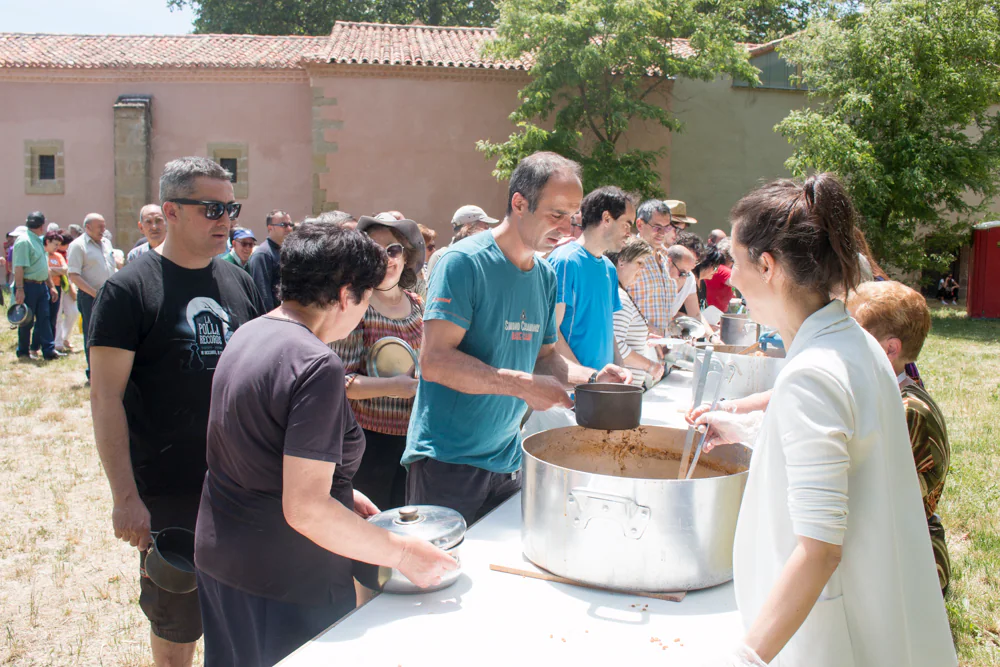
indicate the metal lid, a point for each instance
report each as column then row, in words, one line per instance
column 441, row 526
column 391, row 356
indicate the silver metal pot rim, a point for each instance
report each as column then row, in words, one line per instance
column 654, row 480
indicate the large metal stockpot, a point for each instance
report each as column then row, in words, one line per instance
column 605, row 508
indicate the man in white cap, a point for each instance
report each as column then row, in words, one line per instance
column 468, row 220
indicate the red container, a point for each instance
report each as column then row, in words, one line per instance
column 984, row 272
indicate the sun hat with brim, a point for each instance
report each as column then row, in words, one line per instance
column 18, row 231
column 409, row 230
column 678, row 211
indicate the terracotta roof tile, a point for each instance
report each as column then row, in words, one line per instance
column 349, row 43
column 417, row 45
column 154, row 51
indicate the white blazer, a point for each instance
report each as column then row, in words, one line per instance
column 833, row 462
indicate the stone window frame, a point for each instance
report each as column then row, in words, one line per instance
column 241, row 153
column 33, row 184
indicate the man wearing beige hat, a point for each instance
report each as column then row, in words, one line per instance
column 678, row 214
column 468, row 220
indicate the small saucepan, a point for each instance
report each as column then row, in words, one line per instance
column 170, row 560
column 608, row 407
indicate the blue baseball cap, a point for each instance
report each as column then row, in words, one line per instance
column 243, row 233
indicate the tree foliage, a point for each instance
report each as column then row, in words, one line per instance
column 767, row 20
column 316, row 17
column 902, row 110
column 599, row 65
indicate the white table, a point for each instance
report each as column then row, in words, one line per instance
column 490, row 618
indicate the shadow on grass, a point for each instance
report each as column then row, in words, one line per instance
column 956, row 324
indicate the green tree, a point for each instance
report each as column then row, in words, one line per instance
column 316, row 17
column 767, row 20
column 902, row 111
column 596, row 66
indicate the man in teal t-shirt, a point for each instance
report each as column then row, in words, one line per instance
column 489, row 347
column 587, row 281
column 33, row 287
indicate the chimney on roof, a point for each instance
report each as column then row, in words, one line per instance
column 417, row 22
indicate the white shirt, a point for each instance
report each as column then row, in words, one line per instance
column 92, row 260
column 690, row 285
column 833, row 462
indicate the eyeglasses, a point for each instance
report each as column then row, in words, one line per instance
column 394, row 250
column 213, row 209
column 286, row 225
column 245, row 242
column 661, row 229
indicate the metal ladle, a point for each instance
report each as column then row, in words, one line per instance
column 731, row 368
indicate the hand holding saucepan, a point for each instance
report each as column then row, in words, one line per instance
column 363, row 506
column 615, row 375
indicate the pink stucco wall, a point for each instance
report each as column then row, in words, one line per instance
column 273, row 118
column 410, row 144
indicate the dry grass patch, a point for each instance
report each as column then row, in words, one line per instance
column 68, row 589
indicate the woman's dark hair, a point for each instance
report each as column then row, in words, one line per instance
column 808, row 228
column 54, row 235
column 609, row 198
column 317, row 260
column 408, row 278
column 692, row 242
column 710, row 258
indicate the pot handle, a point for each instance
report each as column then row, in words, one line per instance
column 583, row 505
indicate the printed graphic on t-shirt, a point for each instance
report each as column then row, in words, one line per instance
column 522, row 330
column 209, row 324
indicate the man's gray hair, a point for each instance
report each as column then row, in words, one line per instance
column 533, row 172
column 651, row 207
column 177, row 181
column 725, row 246
column 90, row 217
column 332, row 218
column 75, row 231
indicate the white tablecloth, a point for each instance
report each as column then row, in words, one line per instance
column 491, row 618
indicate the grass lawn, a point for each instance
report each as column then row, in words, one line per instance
column 69, row 590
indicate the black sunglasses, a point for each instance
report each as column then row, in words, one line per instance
column 286, row 225
column 213, row 209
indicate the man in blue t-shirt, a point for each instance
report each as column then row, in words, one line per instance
column 489, row 347
column 587, row 282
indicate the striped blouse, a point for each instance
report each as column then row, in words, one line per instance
column 384, row 414
column 631, row 333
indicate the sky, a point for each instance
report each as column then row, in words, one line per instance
column 150, row 17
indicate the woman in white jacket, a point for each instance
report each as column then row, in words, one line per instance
column 832, row 562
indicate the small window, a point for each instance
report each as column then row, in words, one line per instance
column 46, row 167
column 230, row 165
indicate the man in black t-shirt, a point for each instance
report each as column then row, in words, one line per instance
column 158, row 329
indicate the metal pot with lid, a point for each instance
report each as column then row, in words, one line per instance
column 441, row 526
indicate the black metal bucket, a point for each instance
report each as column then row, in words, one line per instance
column 170, row 560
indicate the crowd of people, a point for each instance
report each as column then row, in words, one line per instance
column 231, row 395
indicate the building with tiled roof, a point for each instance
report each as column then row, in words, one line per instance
column 368, row 118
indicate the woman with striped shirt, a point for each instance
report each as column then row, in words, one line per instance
column 631, row 329
column 382, row 405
